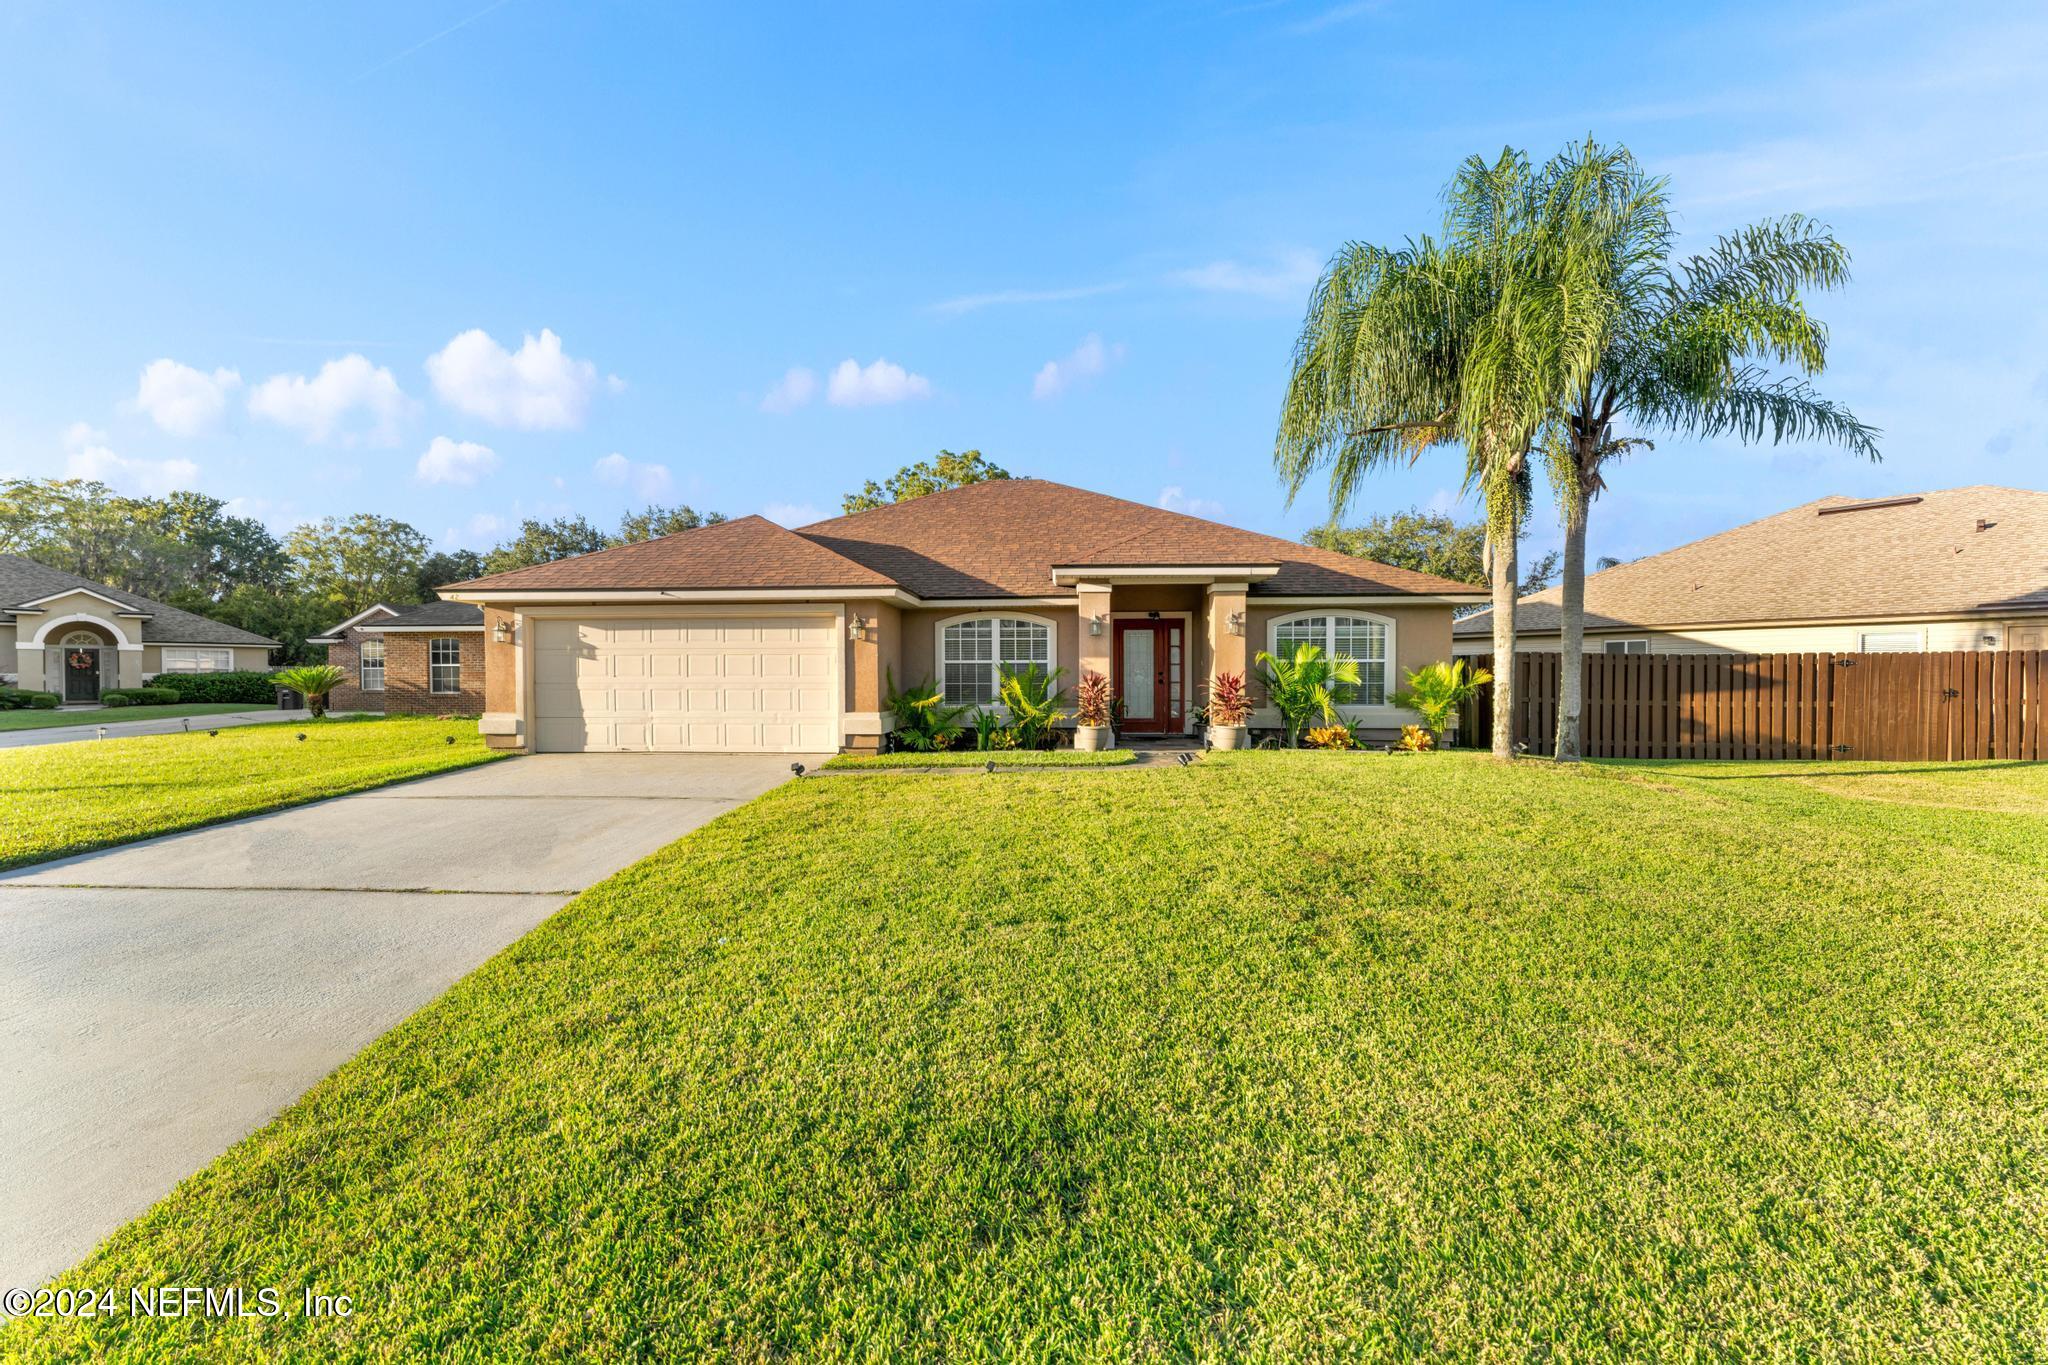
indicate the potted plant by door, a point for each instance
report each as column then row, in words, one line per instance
column 1230, row 710
column 1091, row 714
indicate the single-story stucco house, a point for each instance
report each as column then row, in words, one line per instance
column 1956, row 569
column 425, row 660
column 69, row 635
column 747, row 636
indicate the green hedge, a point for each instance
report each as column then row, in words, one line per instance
column 15, row 699
column 256, row 689
column 140, row 696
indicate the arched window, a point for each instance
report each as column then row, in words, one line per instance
column 974, row 651
column 82, row 638
column 1366, row 640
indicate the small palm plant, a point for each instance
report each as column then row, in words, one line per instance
column 313, row 682
column 1032, row 697
column 1307, row 687
column 1436, row 691
column 924, row 722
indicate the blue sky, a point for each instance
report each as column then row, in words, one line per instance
column 460, row 263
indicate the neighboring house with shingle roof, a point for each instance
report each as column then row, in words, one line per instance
column 1959, row 568
column 70, row 635
column 426, row 659
column 747, row 636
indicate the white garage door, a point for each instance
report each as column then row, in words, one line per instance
column 716, row 684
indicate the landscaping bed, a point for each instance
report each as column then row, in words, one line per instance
column 1268, row 1056
column 1002, row 758
column 62, row 799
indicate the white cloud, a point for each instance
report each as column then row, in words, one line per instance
column 88, row 457
column 182, row 400
column 1084, row 362
column 646, row 480
column 792, row 513
column 539, row 387
column 1286, row 276
column 1174, row 498
column 969, row 303
column 799, row 386
column 881, row 382
column 461, row 463
column 350, row 400
column 482, row 531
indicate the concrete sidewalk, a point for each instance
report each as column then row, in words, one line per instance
column 160, row 1001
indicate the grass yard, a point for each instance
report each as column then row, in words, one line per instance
column 114, row 715
column 62, row 799
column 1281, row 1055
column 1002, row 758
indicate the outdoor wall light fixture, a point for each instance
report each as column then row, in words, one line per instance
column 1234, row 623
column 1095, row 625
column 502, row 633
column 856, row 629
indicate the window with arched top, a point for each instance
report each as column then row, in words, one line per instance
column 1366, row 640
column 974, row 651
column 81, row 637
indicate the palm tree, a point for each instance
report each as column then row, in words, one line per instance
column 1307, row 686
column 1476, row 340
column 1687, row 349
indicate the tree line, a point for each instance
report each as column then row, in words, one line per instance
column 188, row 550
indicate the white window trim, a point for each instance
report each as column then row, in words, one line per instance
column 432, row 689
column 1356, row 709
column 168, row 650
column 1630, row 640
column 363, row 666
column 1052, row 647
column 1919, row 638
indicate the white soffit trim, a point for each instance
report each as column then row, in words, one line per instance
column 825, row 597
column 120, row 608
column 1113, row 573
column 420, row 630
column 1383, row 599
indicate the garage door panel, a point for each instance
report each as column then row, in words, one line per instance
column 720, row 685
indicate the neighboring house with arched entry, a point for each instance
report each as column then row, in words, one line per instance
column 69, row 635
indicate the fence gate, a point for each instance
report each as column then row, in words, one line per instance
column 1896, row 707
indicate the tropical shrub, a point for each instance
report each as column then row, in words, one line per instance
column 313, row 682
column 1330, row 737
column 1436, row 691
column 1417, row 739
column 1307, row 687
column 1032, row 697
column 1092, row 699
column 986, row 724
column 924, row 723
column 1230, row 701
column 257, row 689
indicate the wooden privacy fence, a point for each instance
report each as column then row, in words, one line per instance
column 1899, row 707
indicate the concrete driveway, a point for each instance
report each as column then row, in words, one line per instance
column 162, row 1000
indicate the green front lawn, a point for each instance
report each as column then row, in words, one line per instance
column 62, row 799
column 1282, row 1054
column 113, row 715
column 1002, row 758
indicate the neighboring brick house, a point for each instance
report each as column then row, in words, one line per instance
column 412, row 660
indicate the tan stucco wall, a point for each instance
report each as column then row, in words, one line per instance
column 1839, row 638
column 7, row 656
column 99, row 612
column 871, row 662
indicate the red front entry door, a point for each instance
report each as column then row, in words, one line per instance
column 1148, row 676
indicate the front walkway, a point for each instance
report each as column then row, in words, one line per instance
column 160, row 1001
column 122, row 729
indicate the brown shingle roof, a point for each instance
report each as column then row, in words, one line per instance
column 1003, row 537
column 750, row 552
column 1910, row 558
